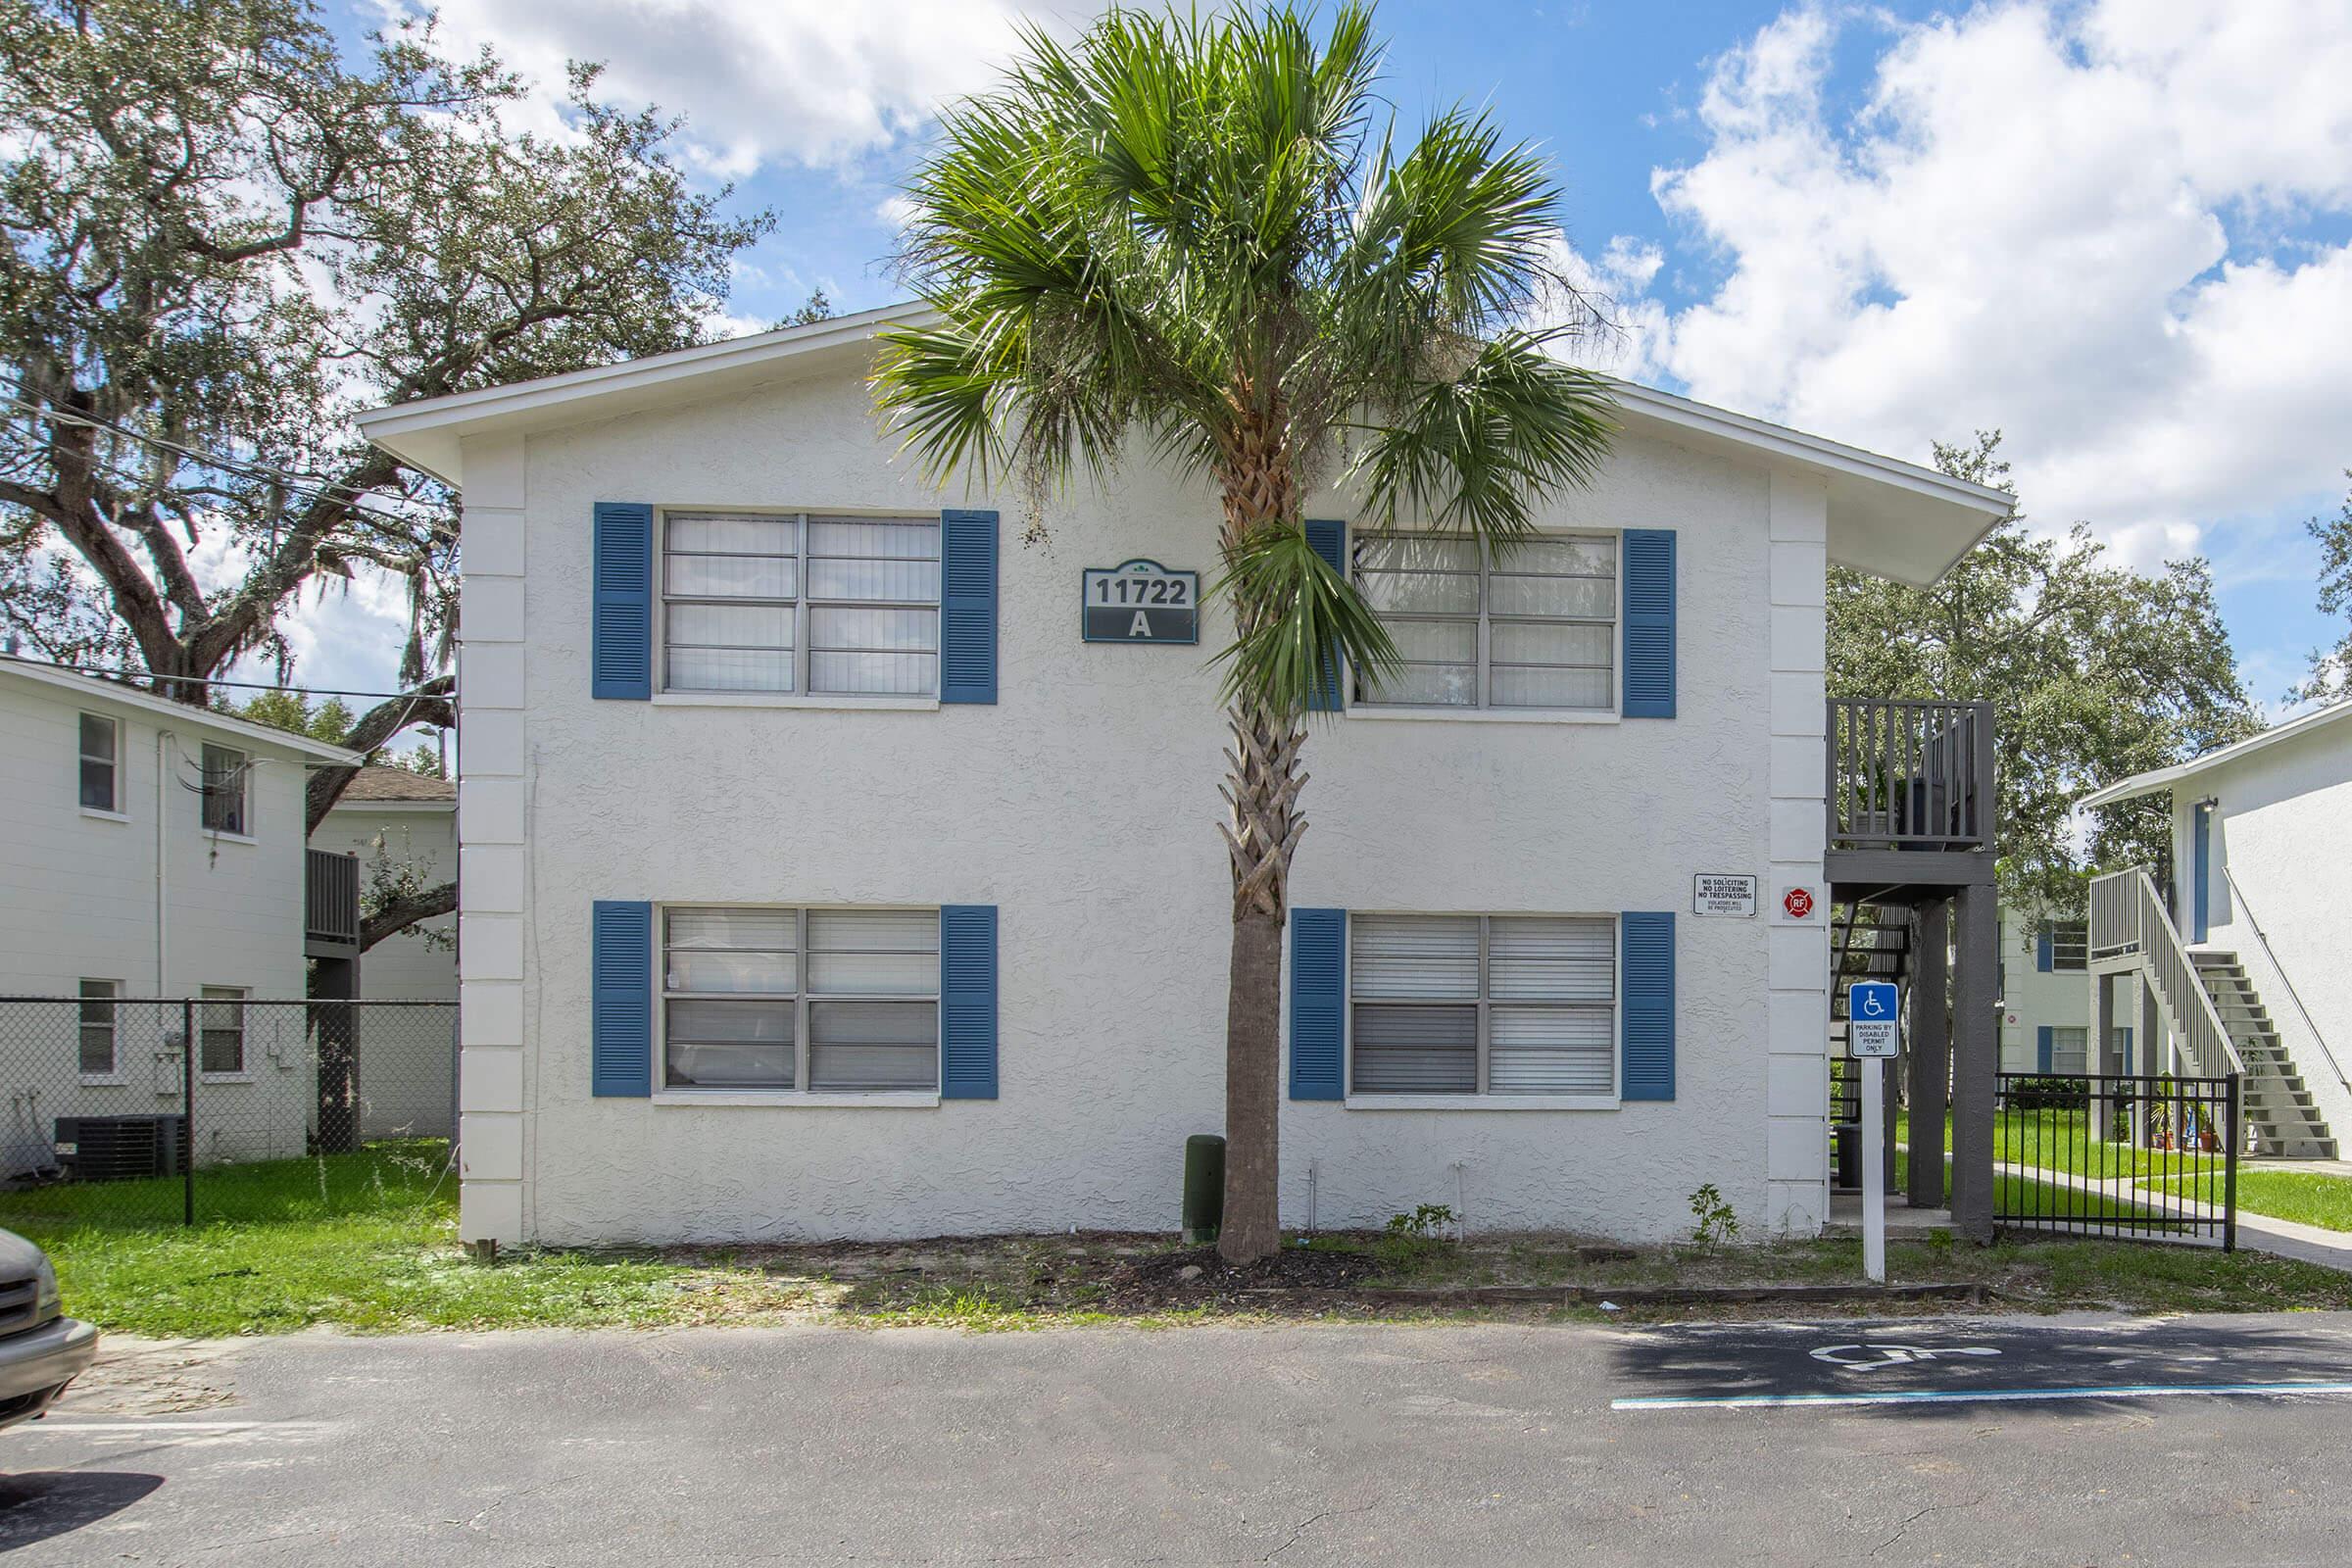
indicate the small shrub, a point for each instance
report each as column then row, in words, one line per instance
column 2047, row 1093
column 1717, row 1224
column 1411, row 1238
column 1429, row 1222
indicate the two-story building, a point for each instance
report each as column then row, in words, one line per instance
column 822, row 876
column 2230, row 956
column 154, row 855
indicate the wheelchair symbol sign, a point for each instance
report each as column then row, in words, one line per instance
column 1874, row 1357
column 1873, row 1010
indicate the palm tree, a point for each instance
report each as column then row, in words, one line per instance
column 1190, row 231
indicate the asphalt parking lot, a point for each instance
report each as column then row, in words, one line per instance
column 1299, row 1445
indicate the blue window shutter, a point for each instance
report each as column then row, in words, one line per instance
column 967, row 1002
column 2045, row 1050
column 968, row 609
column 1318, row 1003
column 2043, row 957
column 1645, row 945
column 1648, row 623
column 1329, row 540
column 620, row 1011
column 621, row 632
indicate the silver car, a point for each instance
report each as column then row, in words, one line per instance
column 41, row 1350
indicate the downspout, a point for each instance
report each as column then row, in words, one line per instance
column 163, row 738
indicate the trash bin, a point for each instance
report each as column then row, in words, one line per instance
column 1850, row 1155
column 1203, row 1188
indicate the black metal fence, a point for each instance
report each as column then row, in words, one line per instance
column 2152, row 1158
column 127, row 1109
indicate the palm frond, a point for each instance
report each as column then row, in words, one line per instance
column 1307, row 621
column 1478, row 449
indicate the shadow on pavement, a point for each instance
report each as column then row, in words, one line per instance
column 1951, row 1358
column 38, row 1505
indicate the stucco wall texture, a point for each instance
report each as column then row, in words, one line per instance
column 2033, row 999
column 81, row 905
column 2282, row 828
column 1083, row 804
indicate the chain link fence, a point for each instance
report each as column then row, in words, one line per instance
column 133, row 1110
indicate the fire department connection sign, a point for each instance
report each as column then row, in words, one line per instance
column 1139, row 602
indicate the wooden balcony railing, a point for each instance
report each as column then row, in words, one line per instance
column 330, row 902
column 1910, row 775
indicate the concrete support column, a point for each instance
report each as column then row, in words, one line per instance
column 2105, row 1058
column 1976, row 1063
column 1930, row 1051
column 1798, row 1070
column 493, row 835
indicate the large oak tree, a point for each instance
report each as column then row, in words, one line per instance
column 223, row 238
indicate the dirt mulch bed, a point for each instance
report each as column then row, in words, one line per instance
column 1199, row 1277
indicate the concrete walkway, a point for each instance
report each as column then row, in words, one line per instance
column 2284, row 1237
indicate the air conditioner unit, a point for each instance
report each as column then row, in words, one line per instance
column 118, row 1148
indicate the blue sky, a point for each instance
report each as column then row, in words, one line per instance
column 2121, row 230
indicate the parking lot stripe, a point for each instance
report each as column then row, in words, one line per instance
column 2125, row 1390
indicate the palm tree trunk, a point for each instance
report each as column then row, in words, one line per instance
column 1262, row 783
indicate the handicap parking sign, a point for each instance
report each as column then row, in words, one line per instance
column 1873, row 1009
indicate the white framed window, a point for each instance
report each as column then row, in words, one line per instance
column 1482, row 1005
column 2069, row 947
column 799, row 603
column 2070, row 1051
column 226, row 801
column 220, row 1030
column 99, row 1002
column 101, row 764
column 1534, row 627
column 799, row 999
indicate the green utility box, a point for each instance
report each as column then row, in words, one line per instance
column 1203, row 1188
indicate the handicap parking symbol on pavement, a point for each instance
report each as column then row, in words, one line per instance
column 1871, row 1357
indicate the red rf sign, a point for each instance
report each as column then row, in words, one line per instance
column 1798, row 902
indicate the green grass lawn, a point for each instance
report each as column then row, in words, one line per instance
column 2306, row 1196
column 2022, row 1194
column 365, row 1241
column 2060, row 1140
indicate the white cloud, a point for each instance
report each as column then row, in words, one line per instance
column 2064, row 221
column 762, row 82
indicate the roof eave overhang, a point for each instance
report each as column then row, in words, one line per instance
column 1890, row 519
column 430, row 434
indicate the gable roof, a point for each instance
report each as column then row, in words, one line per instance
column 1887, row 518
column 378, row 784
column 2157, row 781
column 98, row 693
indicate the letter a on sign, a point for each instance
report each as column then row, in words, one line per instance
column 1140, row 627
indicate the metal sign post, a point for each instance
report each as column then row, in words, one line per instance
column 1872, row 1032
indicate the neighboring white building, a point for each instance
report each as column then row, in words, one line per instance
column 407, row 1073
column 152, row 849
column 2045, row 1003
column 820, row 880
column 2262, row 836
column 414, row 818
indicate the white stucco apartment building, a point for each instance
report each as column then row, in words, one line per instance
column 822, row 879
column 152, row 849
column 2262, row 837
column 2045, row 998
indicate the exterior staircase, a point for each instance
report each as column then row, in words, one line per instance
column 2278, row 1104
